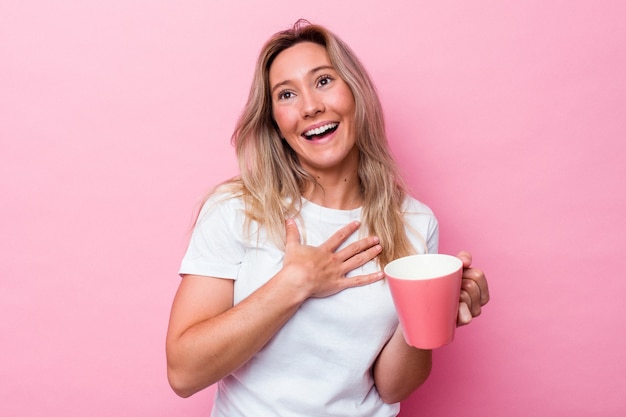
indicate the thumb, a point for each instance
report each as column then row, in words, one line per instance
column 466, row 257
column 291, row 231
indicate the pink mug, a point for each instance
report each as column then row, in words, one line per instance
column 425, row 291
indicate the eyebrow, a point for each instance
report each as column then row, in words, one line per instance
column 313, row 71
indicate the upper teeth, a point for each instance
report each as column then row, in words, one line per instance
column 320, row 130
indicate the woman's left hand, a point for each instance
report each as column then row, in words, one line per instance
column 474, row 291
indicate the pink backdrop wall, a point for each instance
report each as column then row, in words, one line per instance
column 507, row 117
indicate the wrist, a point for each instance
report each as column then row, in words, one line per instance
column 293, row 284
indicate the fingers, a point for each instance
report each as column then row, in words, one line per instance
column 478, row 282
column 324, row 267
column 358, row 247
column 361, row 280
column 464, row 317
column 340, row 236
column 471, row 298
column 474, row 290
column 355, row 254
column 361, row 254
column 470, row 295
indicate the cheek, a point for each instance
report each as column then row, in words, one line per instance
column 281, row 120
column 345, row 103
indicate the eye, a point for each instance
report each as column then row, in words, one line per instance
column 324, row 80
column 285, row 95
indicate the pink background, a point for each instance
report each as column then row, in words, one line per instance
column 508, row 118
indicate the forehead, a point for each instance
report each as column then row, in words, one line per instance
column 297, row 62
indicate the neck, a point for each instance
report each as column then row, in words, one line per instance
column 336, row 187
column 340, row 193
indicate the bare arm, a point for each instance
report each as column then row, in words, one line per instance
column 208, row 337
column 400, row 369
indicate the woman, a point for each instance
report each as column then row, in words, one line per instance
column 282, row 301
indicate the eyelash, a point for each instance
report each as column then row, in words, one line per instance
column 281, row 95
column 327, row 78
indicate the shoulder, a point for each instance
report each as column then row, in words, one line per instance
column 223, row 207
column 226, row 196
column 419, row 215
column 422, row 225
column 412, row 206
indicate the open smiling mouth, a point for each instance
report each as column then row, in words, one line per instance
column 320, row 132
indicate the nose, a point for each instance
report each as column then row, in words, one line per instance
column 311, row 105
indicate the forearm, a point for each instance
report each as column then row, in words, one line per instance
column 400, row 369
column 212, row 349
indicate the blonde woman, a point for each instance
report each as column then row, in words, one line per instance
column 282, row 301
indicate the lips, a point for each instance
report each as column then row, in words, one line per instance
column 320, row 131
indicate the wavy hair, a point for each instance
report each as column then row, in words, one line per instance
column 271, row 178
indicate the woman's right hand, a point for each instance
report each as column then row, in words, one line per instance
column 321, row 271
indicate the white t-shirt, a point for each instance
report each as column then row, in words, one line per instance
column 319, row 363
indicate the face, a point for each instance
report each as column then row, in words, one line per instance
column 314, row 109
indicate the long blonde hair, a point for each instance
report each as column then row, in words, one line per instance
column 271, row 178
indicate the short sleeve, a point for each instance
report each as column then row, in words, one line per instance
column 422, row 226
column 216, row 247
